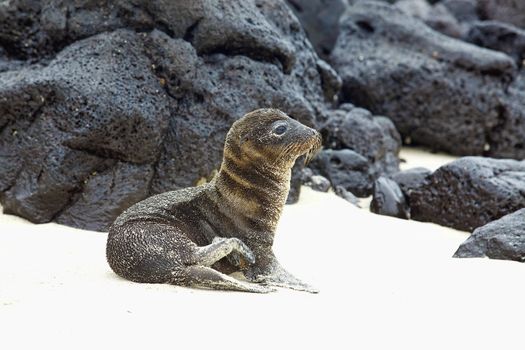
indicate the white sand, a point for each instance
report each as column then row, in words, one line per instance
column 385, row 284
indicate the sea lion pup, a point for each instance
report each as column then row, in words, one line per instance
column 181, row 237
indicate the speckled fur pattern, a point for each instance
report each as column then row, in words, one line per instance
column 197, row 236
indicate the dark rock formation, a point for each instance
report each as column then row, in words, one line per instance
column 462, row 10
column 374, row 137
column 360, row 148
column 388, row 199
column 320, row 20
column 345, row 168
column 499, row 36
column 437, row 16
column 81, row 135
column 509, row 11
column 470, row 192
column 127, row 113
column 410, row 179
column 440, row 92
column 500, row 239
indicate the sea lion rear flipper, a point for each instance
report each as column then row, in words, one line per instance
column 270, row 272
column 288, row 281
column 206, row 277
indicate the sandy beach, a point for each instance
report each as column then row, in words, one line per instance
column 385, row 284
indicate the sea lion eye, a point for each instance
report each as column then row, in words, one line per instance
column 280, row 129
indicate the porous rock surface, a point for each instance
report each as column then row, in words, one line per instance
column 509, row 11
column 440, row 92
column 410, row 179
column 359, row 147
column 435, row 16
column 462, row 10
column 499, row 36
column 470, row 192
column 118, row 100
column 499, row 239
column 320, row 20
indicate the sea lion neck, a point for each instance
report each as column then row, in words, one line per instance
column 257, row 192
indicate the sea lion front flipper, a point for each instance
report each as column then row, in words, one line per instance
column 221, row 247
column 208, row 278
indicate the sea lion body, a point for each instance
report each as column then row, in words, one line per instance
column 196, row 236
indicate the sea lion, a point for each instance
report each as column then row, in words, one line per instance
column 181, row 237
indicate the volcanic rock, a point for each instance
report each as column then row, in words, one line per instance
column 347, row 135
column 320, row 20
column 345, row 168
column 388, row 199
column 470, row 192
column 509, row 11
column 462, row 10
column 440, row 92
column 499, row 239
column 435, row 16
column 499, row 36
column 346, row 195
column 410, row 179
column 116, row 101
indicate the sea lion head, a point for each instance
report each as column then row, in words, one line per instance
column 270, row 137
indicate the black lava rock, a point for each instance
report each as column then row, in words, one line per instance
column 435, row 16
column 319, row 183
column 500, row 239
column 82, row 134
column 116, row 101
column 320, row 20
column 462, row 10
column 410, row 179
column 499, row 36
column 388, row 199
column 509, row 11
column 345, row 168
column 440, row 92
column 470, row 192
column 346, row 195
column 374, row 137
column 347, row 134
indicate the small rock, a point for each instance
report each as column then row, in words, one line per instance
column 346, row 195
column 388, row 199
column 500, row 239
column 319, row 183
column 411, row 178
column 306, row 174
column 345, row 168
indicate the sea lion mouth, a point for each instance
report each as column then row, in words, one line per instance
column 314, row 148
